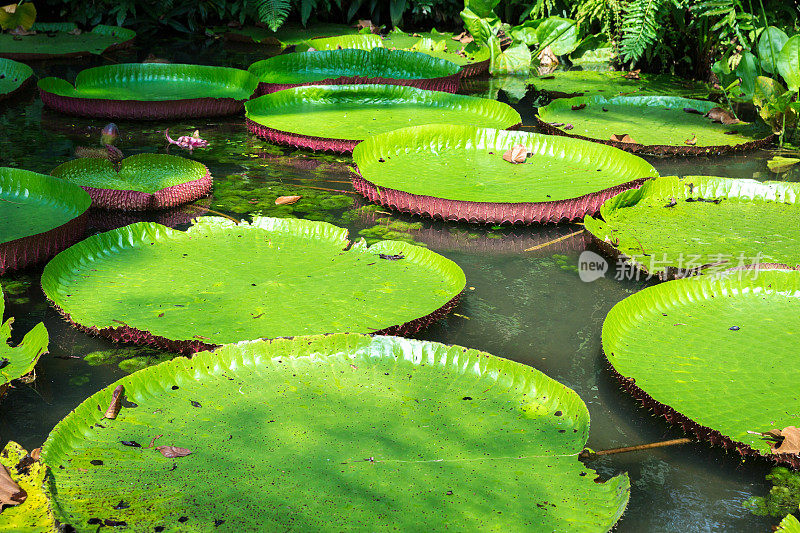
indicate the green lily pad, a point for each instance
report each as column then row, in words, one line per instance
column 458, row 172
column 331, row 433
column 39, row 216
column 53, row 42
column 320, row 117
column 608, row 84
column 366, row 41
column 324, row 66
column 716, row 354
column 661, row 125
column 790, row 524
column 287, row 35
column 143, row 181
column 188, row 290
column 150, row 91
column 33, row 515
column 16, row 362
column 13, row 76
column 434, row 44
column 672, row 227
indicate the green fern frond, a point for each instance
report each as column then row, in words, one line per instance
column 273, row 12
column 640, row 27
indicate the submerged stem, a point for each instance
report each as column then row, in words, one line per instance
column 590, row 454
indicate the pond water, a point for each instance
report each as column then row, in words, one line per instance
column 531, row 307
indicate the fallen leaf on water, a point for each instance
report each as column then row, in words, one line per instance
column 517, row 154
column 286, row 200
column 633, row 74
column 717, row 114
column 692, row 141
column 116, row 403
column 10, row 492
column 578, row 107
column 622, row 138
column 171, row 452
column 780, row 164
column 789, row 440
column 35, row 453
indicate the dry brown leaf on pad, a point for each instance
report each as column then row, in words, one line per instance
column 10, row 492
column 116, row 403
column 622, row 138
column 717, row 114
column 788, row 440
column 171, row 452
column 692, row 141
column 517, row 154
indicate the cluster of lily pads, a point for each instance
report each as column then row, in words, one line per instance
column 298, row 325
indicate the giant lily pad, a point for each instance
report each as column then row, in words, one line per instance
column 660, row 125
column 715, row 354
column 366, row 41
column 150, row 91
column 608, row 84
column 287, row 36
column 143, row 181
column 14, row 77
column 64, row 41
column 39, row 216
column 338, row 117
column 348, row 66
column 674, row 227
column 220, row 283
column 471, row 58
column 333, row 433
column 16, row 362
column 458, row 173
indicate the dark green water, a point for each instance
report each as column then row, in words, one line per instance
column 527, row 306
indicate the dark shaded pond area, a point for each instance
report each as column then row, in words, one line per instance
column 529, row 306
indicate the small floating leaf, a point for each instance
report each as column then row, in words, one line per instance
column 780, row 164
column 287, row 200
